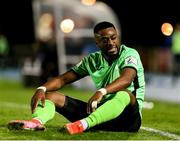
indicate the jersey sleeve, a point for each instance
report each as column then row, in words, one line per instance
column 131, row 59
column 81, row 68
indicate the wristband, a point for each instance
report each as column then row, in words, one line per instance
column 103, row 91
column 94, row 104
column 42, row 88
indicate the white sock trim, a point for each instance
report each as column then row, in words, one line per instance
column 84, row 123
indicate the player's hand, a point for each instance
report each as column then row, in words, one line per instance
column 93, row 101
column 38, row 96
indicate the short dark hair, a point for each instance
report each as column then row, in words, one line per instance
column 103, row 25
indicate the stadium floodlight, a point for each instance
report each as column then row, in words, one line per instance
column 167, row 29
column 67, row 25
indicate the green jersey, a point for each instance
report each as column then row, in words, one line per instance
column 103, row 73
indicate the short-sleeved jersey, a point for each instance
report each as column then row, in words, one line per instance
column 103, row 73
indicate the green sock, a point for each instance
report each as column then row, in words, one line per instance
column 44, row 113
column 109, row 110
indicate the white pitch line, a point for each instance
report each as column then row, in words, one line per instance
column 163, row 133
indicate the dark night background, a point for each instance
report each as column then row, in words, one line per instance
column 140, row 21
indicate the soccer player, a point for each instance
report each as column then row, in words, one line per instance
column 118, row 74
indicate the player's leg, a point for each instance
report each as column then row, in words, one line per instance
column 111, row 109
column 53, row 100
column 74, row 110
column 71, row 108
column 129, row 120
column 41, row 114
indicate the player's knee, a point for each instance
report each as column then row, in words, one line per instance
column 57, row 98
column 124, row 97
column 131, row 96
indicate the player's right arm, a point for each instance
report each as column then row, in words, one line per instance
column 53, row 85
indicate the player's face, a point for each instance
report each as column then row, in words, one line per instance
column 108, row 41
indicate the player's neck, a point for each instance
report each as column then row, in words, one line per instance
column 110, row 59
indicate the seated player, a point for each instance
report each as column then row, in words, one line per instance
column 118, row 74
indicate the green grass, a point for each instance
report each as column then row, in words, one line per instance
column 14, row 104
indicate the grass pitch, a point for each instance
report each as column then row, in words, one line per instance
column 14, row 104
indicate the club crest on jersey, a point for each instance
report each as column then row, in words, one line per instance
column 131, row 60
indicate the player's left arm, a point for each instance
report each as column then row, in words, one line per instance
column 127, row 76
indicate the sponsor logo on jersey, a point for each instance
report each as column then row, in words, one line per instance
column 131, row 60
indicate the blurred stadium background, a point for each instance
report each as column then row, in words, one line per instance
column 40, row 46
